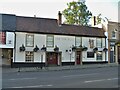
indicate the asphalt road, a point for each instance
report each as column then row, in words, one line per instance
column 106, row 77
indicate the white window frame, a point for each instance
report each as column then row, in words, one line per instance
column 29, row 40
column 50, row 41
column 100, row 55
column 99, row 42
column 29, row 56
column 78, row 41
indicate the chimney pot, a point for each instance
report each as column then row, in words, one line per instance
column 59, row 18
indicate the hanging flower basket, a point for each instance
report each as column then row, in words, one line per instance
column 56, row 49
column 22, row 48
column 84, row 48
column 105, row 49
column 95, row 49
column 43, row 48
column 74, row 48
column 36, row 48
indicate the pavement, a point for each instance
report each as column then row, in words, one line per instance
column 6, row 69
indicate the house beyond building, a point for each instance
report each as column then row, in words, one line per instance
column 44, row 41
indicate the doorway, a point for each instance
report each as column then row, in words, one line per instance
column 78, row 57
column 111, row 56
column 53, row 58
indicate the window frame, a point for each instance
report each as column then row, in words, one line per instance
column 31, row 56
column 113, row 34
column 52, row 41
column 77, row 41
column 91, row 55
column 99, row 54
column 100, row 43
column 32, row 40
column 3, row 38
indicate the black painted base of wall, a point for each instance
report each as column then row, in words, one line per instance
column 24, row 64
column 68, row 63
column 98, row 62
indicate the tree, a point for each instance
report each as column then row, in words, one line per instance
column 77, row 13
column 99, row 19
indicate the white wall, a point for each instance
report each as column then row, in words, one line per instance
column 20, row 39
column 85, row 42
column 39, row 40
column 64, row 43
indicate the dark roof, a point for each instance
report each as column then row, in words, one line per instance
column 50, row 26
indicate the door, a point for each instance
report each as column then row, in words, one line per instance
column 52, row 58
column 111, row 56
column 119, row 55
column 7, row 56
column 78, row 57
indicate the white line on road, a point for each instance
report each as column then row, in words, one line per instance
column 100, row 80
column 36, row 86
column 22, row 78
column 81, row 75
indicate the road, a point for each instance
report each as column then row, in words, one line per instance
column 106, row 77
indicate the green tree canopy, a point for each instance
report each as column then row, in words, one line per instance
column 77, row 13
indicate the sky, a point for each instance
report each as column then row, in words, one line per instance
column 50, row 8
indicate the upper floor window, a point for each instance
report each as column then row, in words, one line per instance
column 50, row 41
column 78, row 41
column 29, row 40
column 113, row 34
column 91, row 43
column 99, row 42
column 2, row 37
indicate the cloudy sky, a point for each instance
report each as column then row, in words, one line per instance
column 50, row 8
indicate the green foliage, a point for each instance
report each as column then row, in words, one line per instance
column 99, row 19
column 77, row 13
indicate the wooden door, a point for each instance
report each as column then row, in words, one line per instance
column 52, row 58
column 78, row 57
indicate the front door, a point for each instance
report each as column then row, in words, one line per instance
column 78, row 59
column 111, row 56
column 52, row 58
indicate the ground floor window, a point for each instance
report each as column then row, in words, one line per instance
column 29, row 57
column 90, row 54
column 99, row 55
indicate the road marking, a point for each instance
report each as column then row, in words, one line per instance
column 36, row 86
column 81, row 75
column 99, row 80
column 22, row 79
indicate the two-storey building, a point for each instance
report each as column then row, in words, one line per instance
column 48, row 41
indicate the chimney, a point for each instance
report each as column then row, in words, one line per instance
column 59, row 18
column 93, row 20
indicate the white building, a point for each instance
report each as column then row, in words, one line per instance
column 42, row 41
